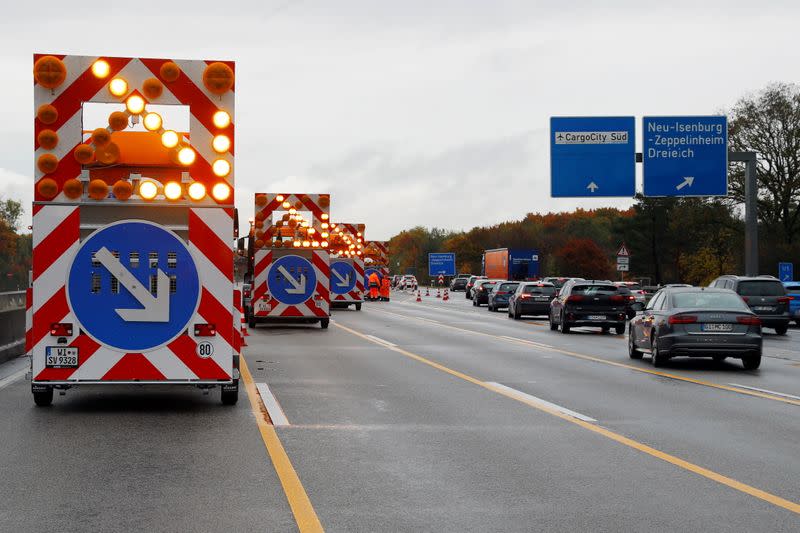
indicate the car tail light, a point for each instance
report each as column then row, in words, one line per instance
column 575, row 298
column 631, row 298
column 784, row 299
column 247, row 294
column 524, row 296
column 746, row 299
column 61, row 329
column 749, row 320
column 205, row 330
column 682, row 319
column 618, row 298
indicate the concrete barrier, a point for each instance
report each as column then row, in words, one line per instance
column 12, row 325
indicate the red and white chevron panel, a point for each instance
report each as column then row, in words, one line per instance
column 56, row 241
column 376, row 253
column 81, row 86
column 357, row 294
column 318, row 305
column 267, row 204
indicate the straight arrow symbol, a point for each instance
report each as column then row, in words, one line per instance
column 687, row 181
column 592, row 187
column 299, row 286
column 155, row 308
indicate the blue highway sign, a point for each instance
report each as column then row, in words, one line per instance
column 442, row 263
column 133, row 286
column 343, row 277
column 685, row 156
column 786, row 271
column 592, row 156
column 292, row 279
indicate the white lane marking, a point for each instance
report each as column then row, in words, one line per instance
column 545, row 403
column 427, row 320
column 525, row 341
column 5, row 382
column 767, row 391
column 276, row 414
column 382, row 341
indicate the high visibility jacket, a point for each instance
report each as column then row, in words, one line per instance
column 385, row 288
column 374, row 280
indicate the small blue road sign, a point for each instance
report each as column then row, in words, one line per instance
column 592, row 156
column 343, row 277
column 442, row 264
column 786, row 271
column 292, row 279
column 133, row 286
column 685, row 156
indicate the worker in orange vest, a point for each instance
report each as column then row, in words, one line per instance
column 374, row 283
column 385, row 287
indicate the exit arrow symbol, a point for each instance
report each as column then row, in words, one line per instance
column 687, row 181
column 343, row 281
column 592, row 187
column 299, row 286
column 155, row 308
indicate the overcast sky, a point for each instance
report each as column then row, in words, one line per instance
column 431, row 112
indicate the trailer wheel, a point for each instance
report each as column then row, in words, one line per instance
column 230, row 395
column 251, row 322
column 43, row 398
column 324, row 322
column 358, row 307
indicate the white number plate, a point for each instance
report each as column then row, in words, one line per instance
column 61, row 357
column 762, row 308
column 542, row 299
column 717, row 327
column 262, row 307
column 596, row 317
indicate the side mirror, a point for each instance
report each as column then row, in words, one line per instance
column 638, row 307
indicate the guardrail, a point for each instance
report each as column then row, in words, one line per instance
column 12, row 324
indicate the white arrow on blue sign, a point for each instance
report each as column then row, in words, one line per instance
column 133, row 286
column 292, row 279
column 343, row 277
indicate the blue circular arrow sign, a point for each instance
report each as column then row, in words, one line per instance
column 133, row 286
column 291, row 279
column 343, row 277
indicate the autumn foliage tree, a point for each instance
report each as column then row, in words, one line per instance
column 583, row 258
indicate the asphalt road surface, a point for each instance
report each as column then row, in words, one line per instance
column 418, row 416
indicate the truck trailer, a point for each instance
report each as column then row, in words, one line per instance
column 513, row 264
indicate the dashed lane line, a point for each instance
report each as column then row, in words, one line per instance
column 599, row 430
column 304, row 514
column 533, row 399
column 5, row 382
column 695, row 381
column 767, row 391
column 274, row 409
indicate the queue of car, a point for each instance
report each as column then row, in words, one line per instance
column 723, row 320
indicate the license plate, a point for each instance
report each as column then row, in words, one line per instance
column 762, row 308
column 596, row 317
column 61, row 357
column 717, row 327
column 542, row 299
column 262, row 307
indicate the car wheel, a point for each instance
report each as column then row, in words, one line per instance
column 781, row 330
column 619, row 330
column 659, row 359
column 633, row 353
column 251, row 323
column 553, row 325
column 563, row 325
column 43, row 398
column 230, row 397
column 517, row 314
column 719, row 358
column 358, row 307
column 324, row 322
column 751, row 362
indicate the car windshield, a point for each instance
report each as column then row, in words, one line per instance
column 592, row 290
column 708, row 300
column 539, row 289
column 507, row 287
column 761, row 288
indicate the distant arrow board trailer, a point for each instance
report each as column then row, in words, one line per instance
column 592, row 156
column 132, row 276
column 291, row 285
column 685, row 156
column 347, row 282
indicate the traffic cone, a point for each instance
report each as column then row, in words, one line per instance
column 438, row 293
column 419, row 296
column 446, row 296
column 244, row 326
column 427, row 292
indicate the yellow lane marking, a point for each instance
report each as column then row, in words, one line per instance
column 615, row 363
column 686, row 465
column 303, row 511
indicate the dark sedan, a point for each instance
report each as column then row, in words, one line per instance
column 696, row 322
column 459, row 284
column 481, row 290
column 498, row 298
column 531, row 299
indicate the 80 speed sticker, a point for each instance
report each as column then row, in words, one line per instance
column 204, row 349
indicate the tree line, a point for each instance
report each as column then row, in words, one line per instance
column 15, row 248
column 690, row 240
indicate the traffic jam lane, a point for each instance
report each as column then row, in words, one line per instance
column 382, row 442
column 129, row 458
column 696, row 423
column 780, row 376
